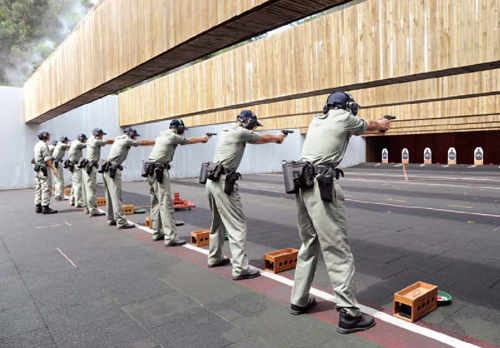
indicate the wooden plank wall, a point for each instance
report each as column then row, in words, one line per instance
column 123, row 42
column 374, row 43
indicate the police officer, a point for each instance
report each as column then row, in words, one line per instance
column 52, row 147
column 157, row 171
column 43, row 180
column 225, row 203
column 89, row 173
column 75, row 155
column 59, row 151
column 112, row 175
column 321, row 213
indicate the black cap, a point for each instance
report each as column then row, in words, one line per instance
column 177, row 124
column 131, row 132
column 42, row 134
column 340, row 99
column 54, row 142
column 249, row 114
column 81, row 137
column 64, row 138
column 98, row 131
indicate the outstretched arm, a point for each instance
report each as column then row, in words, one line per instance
column 197, row 140
column 147, row 142
column 375, row 126
column 267, row 138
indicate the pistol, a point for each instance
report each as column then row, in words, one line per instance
column 211, row 134
column 286, row 132
column 390, row 118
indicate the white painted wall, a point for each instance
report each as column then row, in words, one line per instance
column 19, row 140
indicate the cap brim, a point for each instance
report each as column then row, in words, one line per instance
column 104, row 133
column 138, row 135
column 259, row 124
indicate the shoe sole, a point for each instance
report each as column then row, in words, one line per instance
column 174, row 245
column 125, row 228
column 298, row 312
column 349, row 331
column 220, row 264
column 246, row 277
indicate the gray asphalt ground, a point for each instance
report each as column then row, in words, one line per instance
column 442, row 226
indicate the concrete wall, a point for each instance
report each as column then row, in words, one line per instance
column 19, row 140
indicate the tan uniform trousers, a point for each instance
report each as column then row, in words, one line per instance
column 227, row 215
column 59, row 182
column 77, row 193
column 323, row 225
column 114, row 201
column 162, row 208
column 43, row 188
column 89, row 188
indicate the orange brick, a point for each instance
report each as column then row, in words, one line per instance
column 281, row 260
column 100, row 201
column 67, row 192
column 149, row 223
column 201, row 237
column 128, row 209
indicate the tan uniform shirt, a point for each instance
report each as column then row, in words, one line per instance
column 42, row 153
column 119, row 151
column 76, row 150
column 60, row 150
column 231, row 145
column 165, row 146
column 94, row 149
column 328, row 136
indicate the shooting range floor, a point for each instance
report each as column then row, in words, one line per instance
column 67, row 280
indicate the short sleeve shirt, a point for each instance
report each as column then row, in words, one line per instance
column 328, row 136
column 119, row 151
column 165, row 146
column 60, row 150
column 231, row 145
column 42, row 153
column 76, row 150
column 94, row 149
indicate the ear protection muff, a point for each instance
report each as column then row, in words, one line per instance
column 350, row 105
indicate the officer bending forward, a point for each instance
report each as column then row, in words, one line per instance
column 157, row 172
column 321, row 214
column 223, row 195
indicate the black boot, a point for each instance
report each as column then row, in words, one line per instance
column 297, row 310
column 47, row 210
column 38, row 208
column 348, row 324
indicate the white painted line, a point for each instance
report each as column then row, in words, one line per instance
column 67, row 258
column 422, row 165
column 451, row 341
column 56, row 225
column 376, row 165
column 425, row 176
column 398, row 165
column 426, row 208
column 496, row 229
column 67, row 223
column 445, row 166
column 39, row 227
column 427, row 184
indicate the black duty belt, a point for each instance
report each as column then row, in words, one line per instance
column 321, row 167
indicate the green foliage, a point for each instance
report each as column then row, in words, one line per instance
column 30, row 30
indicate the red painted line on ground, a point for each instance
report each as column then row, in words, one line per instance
column 383, row 333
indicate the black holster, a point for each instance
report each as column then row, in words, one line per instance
column 231, row 178
column 325, row 180
column 56, row 163
column 83, row 163
column 214, row 171
column 69, row 165
column 204, row 173
column 89, row 166
column 159, row 169
column 297, row 175
column 44, row 170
